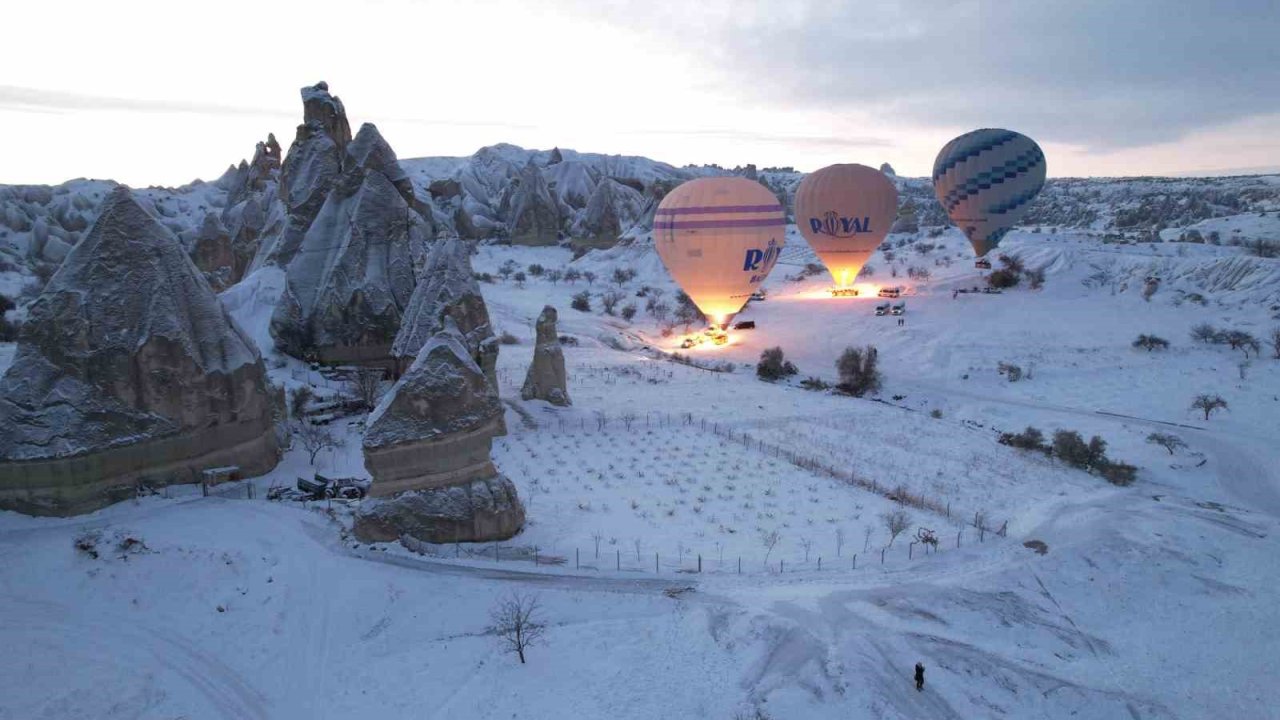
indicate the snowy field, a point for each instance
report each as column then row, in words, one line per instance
column 1152, row 601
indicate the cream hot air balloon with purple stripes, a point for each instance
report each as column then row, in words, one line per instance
column 844, row 211
column 719, row 237
column 986, row 180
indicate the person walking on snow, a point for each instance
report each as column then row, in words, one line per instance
column 919, row 677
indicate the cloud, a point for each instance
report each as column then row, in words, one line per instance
column 813, row 141
column 1099, row 74
column 25, row 99
column 36, row 99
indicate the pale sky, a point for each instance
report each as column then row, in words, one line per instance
column 166, row 92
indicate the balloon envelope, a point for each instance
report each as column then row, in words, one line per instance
column 719, row 238
column 844, row 211
column 986, row 180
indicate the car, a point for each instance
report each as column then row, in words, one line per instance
column 983, row 264
column 745, row 325
column 758, row 296
column 899, row 308
column 890, row 292
column 882, row 309
column 992, row 291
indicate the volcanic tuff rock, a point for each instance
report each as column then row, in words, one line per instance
column 349, row 263
column 612, row 209
column 352, row 275
column 127, row 368
column 477, row 511
column 546, row 379
column 428, row 443
column 448, row 289
column 533, row 217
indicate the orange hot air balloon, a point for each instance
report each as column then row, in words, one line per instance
column 844, row 211
column 719, row 237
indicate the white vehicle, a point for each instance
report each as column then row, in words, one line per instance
column 899, row 308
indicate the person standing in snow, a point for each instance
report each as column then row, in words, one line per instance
column 919, row 677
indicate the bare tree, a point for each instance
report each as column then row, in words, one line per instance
column 896, row 522
column 866, row 538
column 516, row 622
column 1208, row 404
column 858, row 371
column 628, row 418
column 770, row 541
column 1166, row 441
column 597, row 536
column 807, row 544
column 589, row 276
column 365, row 385
column 315, row 438
column 610, row 301
column 839, row 541
column 1275, row 343
column 1205, row 333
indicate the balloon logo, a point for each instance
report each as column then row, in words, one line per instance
column 719, row 237
column 844, row 211
column 986, row 180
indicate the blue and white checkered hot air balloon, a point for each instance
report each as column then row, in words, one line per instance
column 986, row 180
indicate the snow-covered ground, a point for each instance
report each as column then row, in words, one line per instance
column 1151, row 601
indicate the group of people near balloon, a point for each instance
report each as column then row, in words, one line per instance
column 720, row 236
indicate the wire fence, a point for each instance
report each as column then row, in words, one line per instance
column 641, row 561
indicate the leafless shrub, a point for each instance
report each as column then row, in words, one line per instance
column 315, row 438
column 895, row 522
column 516, row 622
column 365, row 385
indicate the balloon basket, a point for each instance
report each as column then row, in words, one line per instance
column 712, row 336
column 845, row 292
column 983, row 264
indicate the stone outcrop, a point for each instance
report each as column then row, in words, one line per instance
column 546, row 378
column 478, row 511
column 227, row 242
column 356, row 232
column 427, row 447
column 448, row 289
column 612, row 209
column 127, row 370
column 352, row 276
column 533, row 216
column 310, row 170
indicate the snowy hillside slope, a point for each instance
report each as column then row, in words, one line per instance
column 38, row 224
column 1149, row 601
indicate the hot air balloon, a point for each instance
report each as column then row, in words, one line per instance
column 986, row 180
column 719, row 237
column 844, row 211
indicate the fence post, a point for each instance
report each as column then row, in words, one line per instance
column 204, row 488
column 910, row 549
column 699, row 563
column 782, row 566
column 655, row 563
column 535, row 555
column 882, row 554
column 855, row 561
column 619, row 559
column 739, row 564
column 496, row 555
column 819, row 562
column 576, row 564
